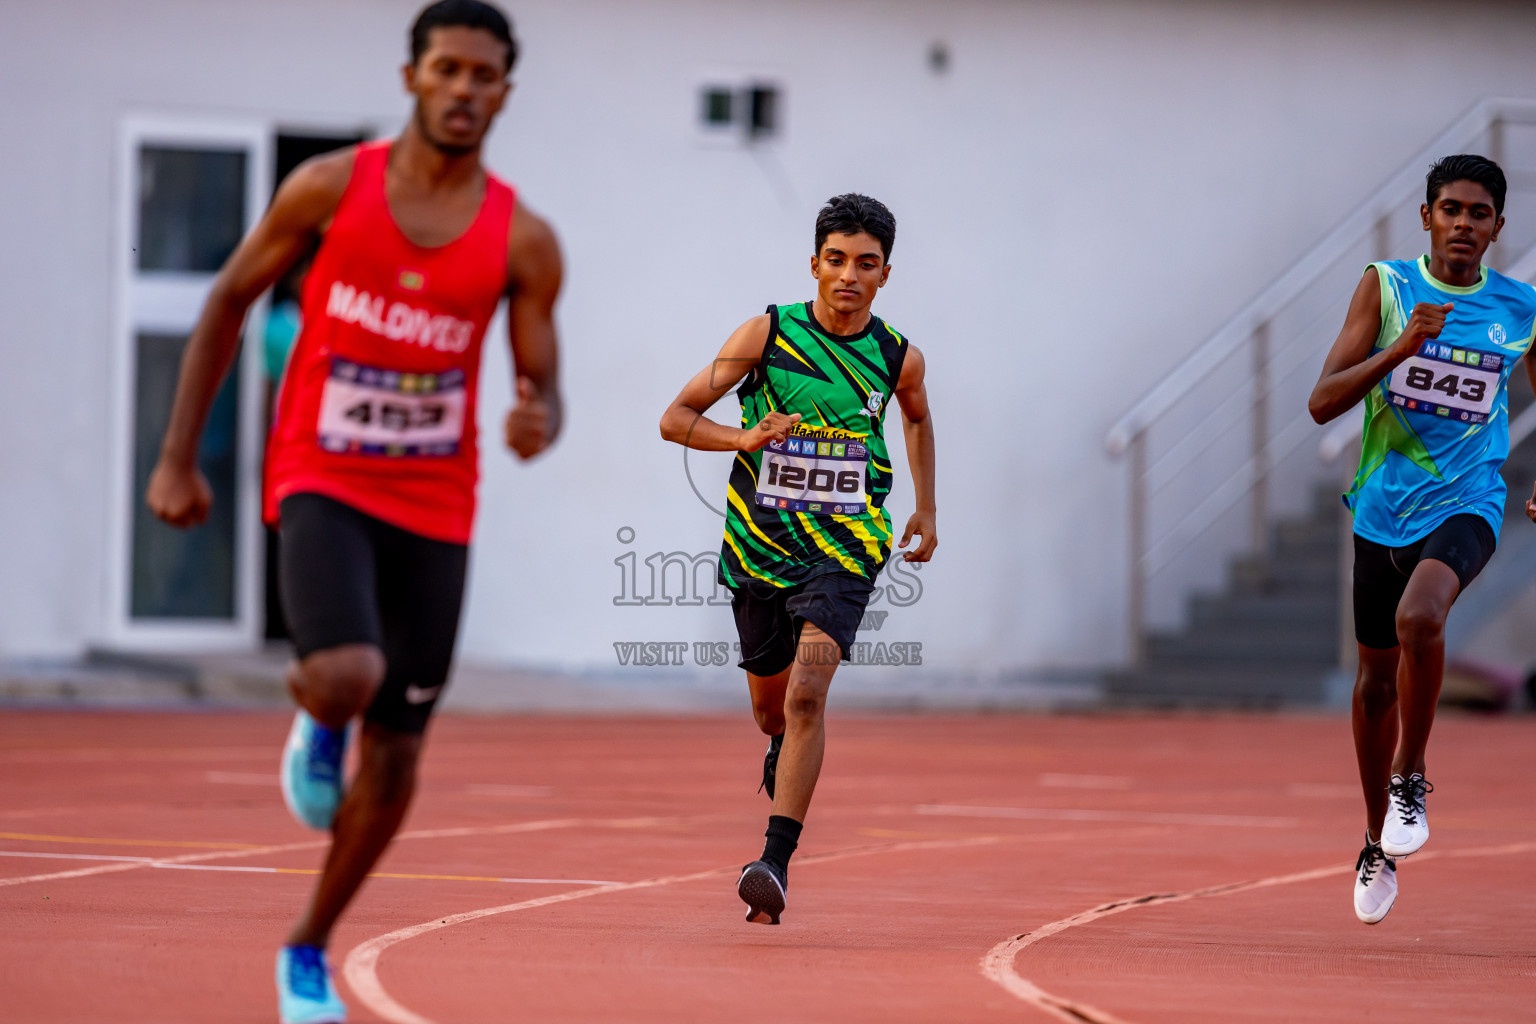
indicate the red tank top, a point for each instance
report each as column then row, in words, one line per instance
column 377, row 405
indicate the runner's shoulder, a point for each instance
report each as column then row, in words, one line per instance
column 1524, row 291
column 313, row 190
column 751, row 338
column 531, row 241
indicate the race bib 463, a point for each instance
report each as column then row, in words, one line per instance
column 1443, row 380
column 368, row 411
column 819, row 475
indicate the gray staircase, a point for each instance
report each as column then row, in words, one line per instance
column 1270, row 638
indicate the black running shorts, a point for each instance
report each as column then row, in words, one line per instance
column 348, row 578
column 1464, row 542
column 768, row 618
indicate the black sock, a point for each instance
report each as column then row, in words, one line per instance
column 783, row 836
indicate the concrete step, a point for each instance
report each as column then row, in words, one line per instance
column 1220, row 685
column 1311, row 609
column 1255, row 575
column 1257, row 647
column 1309, row 534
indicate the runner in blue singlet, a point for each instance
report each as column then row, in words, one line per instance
column 1429, row 345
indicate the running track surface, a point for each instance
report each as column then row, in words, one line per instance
column 1007, row 868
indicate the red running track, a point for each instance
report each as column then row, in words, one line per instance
column 1007, row 868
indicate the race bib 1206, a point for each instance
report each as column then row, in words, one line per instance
column 1443, row 380
column 820, row 475
column 368, row 411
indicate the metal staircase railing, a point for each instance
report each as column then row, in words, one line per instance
column 1208, row 435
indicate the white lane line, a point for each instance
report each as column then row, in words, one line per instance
column 1082, row 814
column 439, row 833
column 37, row 855
column 153, row 863
column 243, row 778
column 998, row 963
column 189, row 858
column 1065, row 781
column 361, row 966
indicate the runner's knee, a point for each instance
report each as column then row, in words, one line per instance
column 770, row 717
column 1377, row 695
column 1419, row 625
column 804, row 702
column 341, row 681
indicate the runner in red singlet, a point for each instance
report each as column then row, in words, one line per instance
column 372, row 461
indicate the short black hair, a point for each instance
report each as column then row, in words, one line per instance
column 851, row 213
column 1467, row 167
column 466, row 14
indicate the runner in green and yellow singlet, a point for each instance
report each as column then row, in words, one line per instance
column 806, row 531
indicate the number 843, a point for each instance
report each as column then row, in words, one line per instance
column 1421, row 378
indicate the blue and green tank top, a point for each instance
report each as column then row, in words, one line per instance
column 813, row 503
column 1437, row 428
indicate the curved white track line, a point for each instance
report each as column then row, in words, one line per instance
column 997, row 964
column 361, row 966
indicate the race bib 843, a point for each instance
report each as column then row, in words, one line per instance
column 1442, row 380
column 369, row 411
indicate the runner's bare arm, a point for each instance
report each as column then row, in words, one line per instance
column 534, row 274
column 1530, row 374
column 1351, row 370
column 685, row 422
column 177, row 492
column 917, row 428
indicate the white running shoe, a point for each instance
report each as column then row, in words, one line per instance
column 1375, row 883
column 1407, row 825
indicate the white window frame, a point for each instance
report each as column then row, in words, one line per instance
column 170, row 302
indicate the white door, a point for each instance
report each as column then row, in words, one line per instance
column 188, row 190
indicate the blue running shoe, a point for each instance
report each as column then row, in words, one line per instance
column 305, row 994
column 311, row 771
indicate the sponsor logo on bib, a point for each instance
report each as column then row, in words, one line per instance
column 804, row 473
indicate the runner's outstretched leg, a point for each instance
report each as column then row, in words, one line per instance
column 1374, row 716
column 764, row 883
column 368, row 819
column 805, row 725
column 1421, row 618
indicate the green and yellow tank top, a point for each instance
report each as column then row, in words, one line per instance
column 813, row 503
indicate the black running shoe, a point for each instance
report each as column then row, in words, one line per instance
column 762, row 888
column 771, row 764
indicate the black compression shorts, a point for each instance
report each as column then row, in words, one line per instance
column 1464, row 542
column 768, row 618
column 348, row 578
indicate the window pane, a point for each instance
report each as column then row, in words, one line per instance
column 717, row 106
column 191, row 207
column 182, row 574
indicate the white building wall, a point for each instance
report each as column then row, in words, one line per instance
column 1088, row 191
